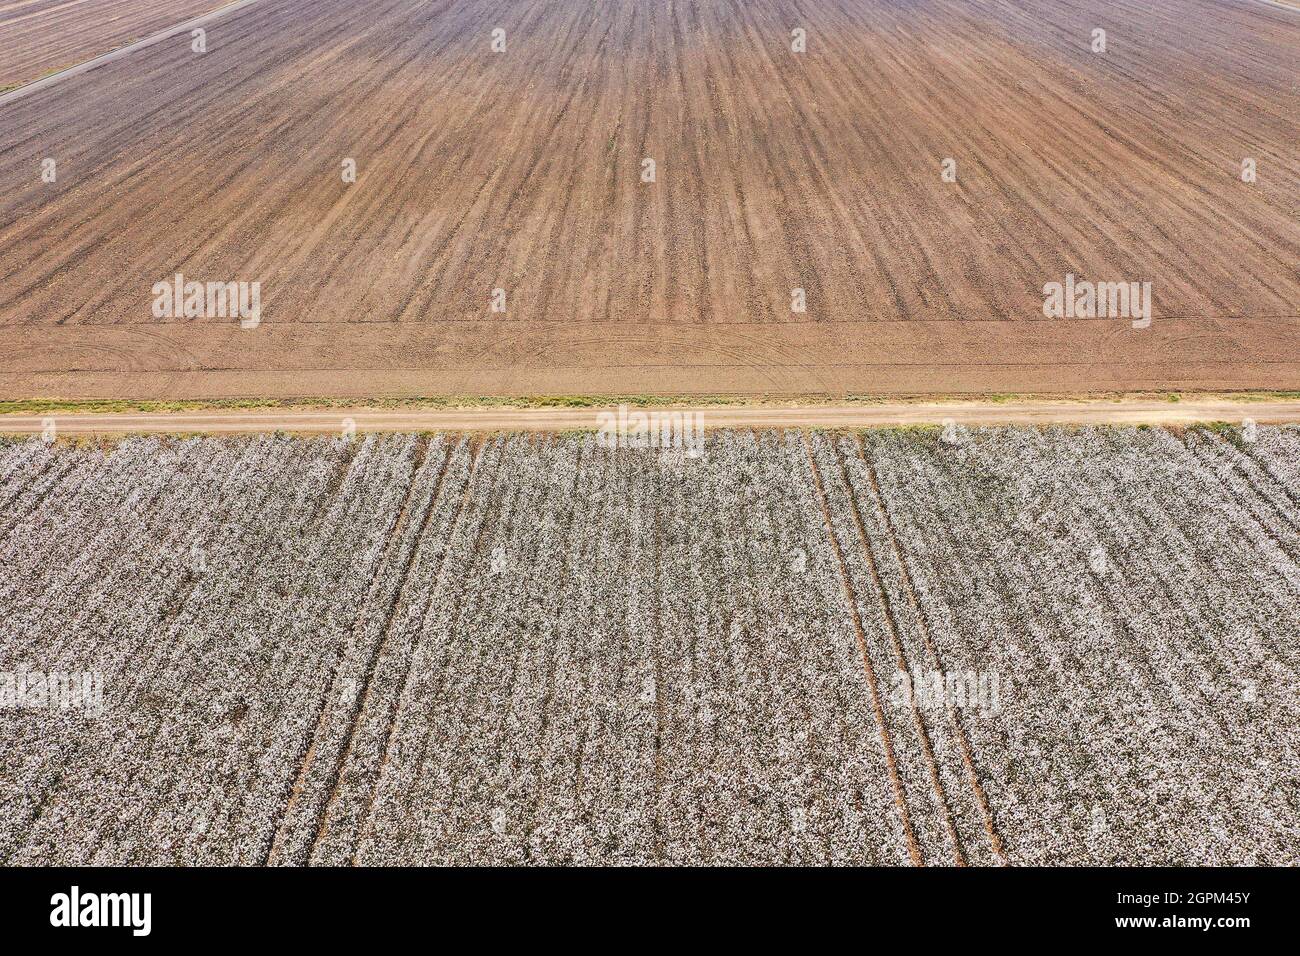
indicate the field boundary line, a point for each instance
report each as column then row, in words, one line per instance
column 851, row 599
column 1279, row 4
column 44, row 82
column 900, row 658
column 967, row 756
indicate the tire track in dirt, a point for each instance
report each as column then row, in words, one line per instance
column 900, row 658
column 851, row 600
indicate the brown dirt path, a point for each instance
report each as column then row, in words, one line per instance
column 326, row 421
column 776, row 170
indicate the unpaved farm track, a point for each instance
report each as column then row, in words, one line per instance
column 332, row 420
column 447, row 649
column 39, row 36
column 775, row 170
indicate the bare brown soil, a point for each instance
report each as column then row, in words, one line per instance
column 40, row 36
column 521, row 171
column 331, row 421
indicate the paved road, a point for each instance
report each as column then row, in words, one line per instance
column 325, row 421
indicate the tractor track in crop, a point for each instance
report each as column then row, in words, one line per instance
column 850, row 598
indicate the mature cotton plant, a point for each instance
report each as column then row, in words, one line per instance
column 1020, row 645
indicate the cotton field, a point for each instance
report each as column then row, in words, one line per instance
column 890, row 647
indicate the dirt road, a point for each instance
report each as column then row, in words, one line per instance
column 324, row 421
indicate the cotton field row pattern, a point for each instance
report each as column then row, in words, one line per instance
column 435, row 648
